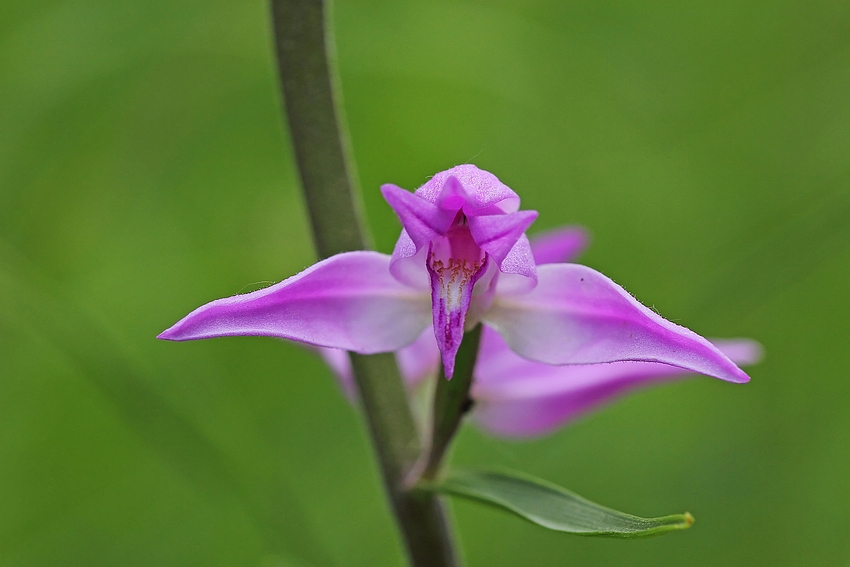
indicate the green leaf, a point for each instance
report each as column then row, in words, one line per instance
column 551, row 506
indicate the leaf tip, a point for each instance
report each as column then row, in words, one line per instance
column 689, row 520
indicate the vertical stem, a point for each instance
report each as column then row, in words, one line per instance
column 304, row 55
column 420, row 516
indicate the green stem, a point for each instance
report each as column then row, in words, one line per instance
column 305, row 59
column 451, row 402
column 304, row 55
column 420, row 516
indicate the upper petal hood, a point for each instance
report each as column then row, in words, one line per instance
column 483, row 193
column 464, row 190
column 576, row 315
column 349, row 301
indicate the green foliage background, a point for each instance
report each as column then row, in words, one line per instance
column 144, row 170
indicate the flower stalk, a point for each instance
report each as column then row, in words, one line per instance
column 451, row 402
column 304, row 47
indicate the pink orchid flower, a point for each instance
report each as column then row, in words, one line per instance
column 462, row 258
column 519, row 398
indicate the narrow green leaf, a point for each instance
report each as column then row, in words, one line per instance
column 551, row 506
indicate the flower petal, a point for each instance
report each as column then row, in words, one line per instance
column 422, row 220
column 515, row 397
column 740, row 351
column 484, row 193
column 576, row 315
column 559, row 245
column 349, row 301
column 498, row 235
column 407, row 265
column 452, row 196
column 451, row 294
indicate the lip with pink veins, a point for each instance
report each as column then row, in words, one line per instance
column 455, row 263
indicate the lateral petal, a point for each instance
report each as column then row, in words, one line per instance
column 498, row 235
column 349, row 301
column 575, row 315
column 407, row 265
column 422, row 219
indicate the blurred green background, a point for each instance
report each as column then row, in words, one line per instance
column 144, row 170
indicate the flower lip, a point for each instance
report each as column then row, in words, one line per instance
column 455, row 263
